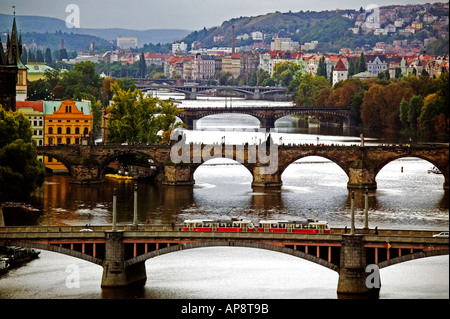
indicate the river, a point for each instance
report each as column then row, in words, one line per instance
column 407, row 197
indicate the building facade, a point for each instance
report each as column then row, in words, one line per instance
column 67, row 123
column 340, row 72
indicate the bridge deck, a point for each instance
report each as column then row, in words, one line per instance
column 165, row 232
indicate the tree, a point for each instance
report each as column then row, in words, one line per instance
column 20, row 170
column 135, row 117
column 414, row 109
column 403, row 113
column 309, row 89
column 48, row 56
column 380, row 107
column 361, row 64
column 322, row 68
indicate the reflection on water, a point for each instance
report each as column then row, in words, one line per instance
column 407, row 198
column 312, row 187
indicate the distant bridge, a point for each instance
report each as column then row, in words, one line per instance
column 122, row 253
column 266, row 115
column 191, row 91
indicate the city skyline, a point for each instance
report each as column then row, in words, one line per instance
column 174, row 14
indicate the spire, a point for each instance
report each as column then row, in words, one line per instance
column 14, row 46
column 2, row 54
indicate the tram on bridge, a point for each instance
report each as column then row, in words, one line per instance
column 310, row 226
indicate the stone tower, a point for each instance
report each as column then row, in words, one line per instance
column 13, row 72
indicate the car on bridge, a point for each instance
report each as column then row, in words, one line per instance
column 442, row 234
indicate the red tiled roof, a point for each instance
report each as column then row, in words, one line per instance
column 36, row 105
column 340, row 66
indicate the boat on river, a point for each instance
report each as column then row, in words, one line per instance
column 120, row 177
column 4, row 265
column 17, row 256
column 434, row 170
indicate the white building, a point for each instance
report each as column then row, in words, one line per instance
column 127, row 43
column 340, row 72
column 179, row 47
column 257, row 36
column 283, row 44
column 376, row 66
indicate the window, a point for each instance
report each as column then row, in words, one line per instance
column 68, row 130
column 59, row 130
column 77, row 130
column 86, row 131
column 50, row 130
column 68, row 140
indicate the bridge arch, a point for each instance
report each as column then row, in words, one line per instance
column 248, row 117
column 59, row 158
column 285, row 165
column 403, row 156
column 112, row 157
column 395, row 159
column 223, row 161
column 414, row 256
column 57, row 249
column 194, row 245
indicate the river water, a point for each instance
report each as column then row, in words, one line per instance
column 407, row 197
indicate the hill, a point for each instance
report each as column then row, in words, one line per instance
column 324, row 26
column 332, row 29
column 46, row 25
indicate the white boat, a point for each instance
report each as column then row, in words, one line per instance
column 434, row 170
column 4, row 265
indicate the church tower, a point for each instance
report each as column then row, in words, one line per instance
column 340, row 72
column 13, row 72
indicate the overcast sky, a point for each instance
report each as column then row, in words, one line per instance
column 175, row 14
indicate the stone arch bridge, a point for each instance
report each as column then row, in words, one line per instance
column 176, row 163
column 122, row 253
column 267, row 116
column 191, row 91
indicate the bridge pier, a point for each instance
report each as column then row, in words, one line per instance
column 262, row 180
column 267, row 122
column 115, row 273
column 361, row 175
column 178, row 174
column 85, row 174
column 352, row 272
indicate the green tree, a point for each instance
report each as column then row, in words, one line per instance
column 20, row 170
column 48, row 56
column 414, row 109
column 135, row 117
column 309, row 88
column 322, row 68
column 361, row 64
column 403, row 113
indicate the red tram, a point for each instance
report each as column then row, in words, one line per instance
column 309, row 226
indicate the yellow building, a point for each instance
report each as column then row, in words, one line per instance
column 417, row 25
column 232, row 64
column 36, row 70
column 65, row 123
